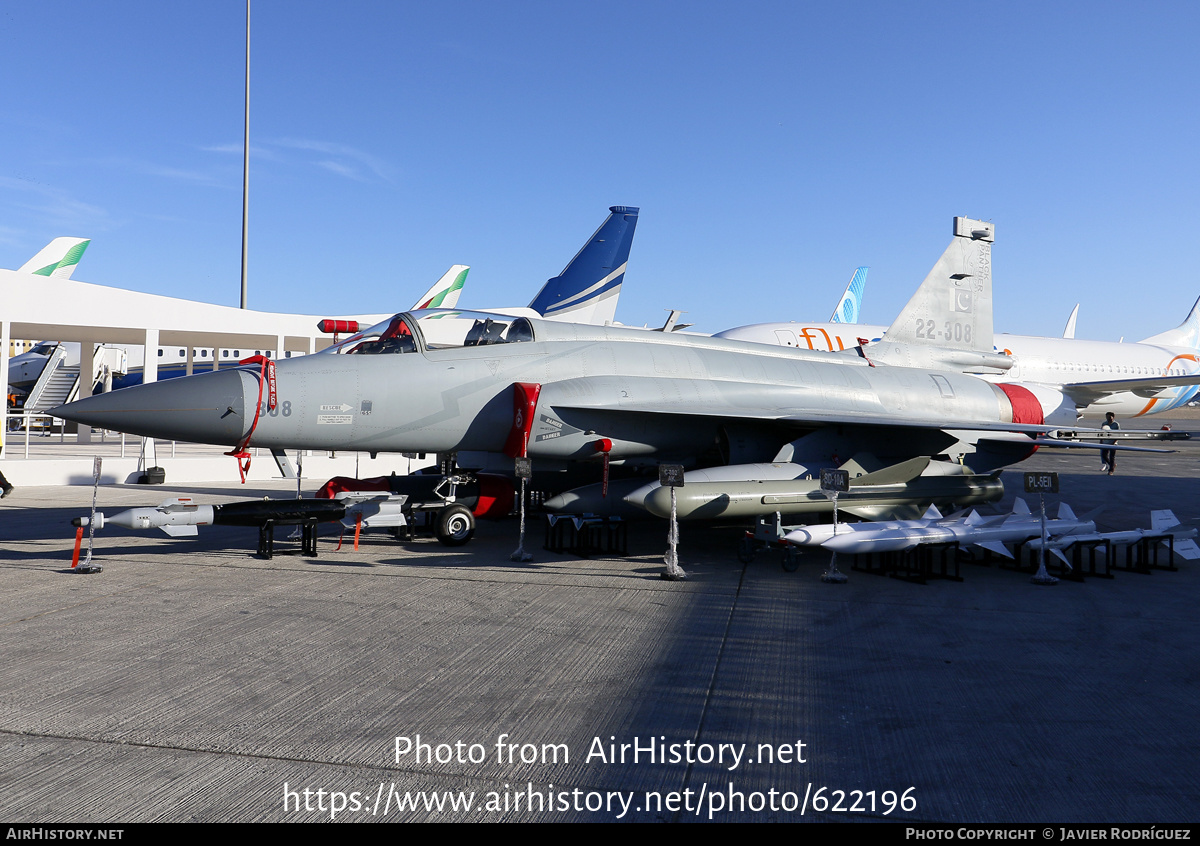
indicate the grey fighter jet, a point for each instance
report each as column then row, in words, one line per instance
column 487, row 384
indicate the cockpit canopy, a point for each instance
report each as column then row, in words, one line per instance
column 435, row 329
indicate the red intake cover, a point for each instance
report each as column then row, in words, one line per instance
column 1025, row 406
column 496, row 497
column 525, row 397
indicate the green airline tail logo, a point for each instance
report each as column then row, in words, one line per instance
column 71, row 259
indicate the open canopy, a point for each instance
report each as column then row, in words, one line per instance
column 435, row 329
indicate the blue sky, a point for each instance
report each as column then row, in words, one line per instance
column 772, row 147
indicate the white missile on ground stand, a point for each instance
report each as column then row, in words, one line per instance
column 178, row 517
column 822, row 533
column 984, row 532
column 1162, row 524
column 182, row 516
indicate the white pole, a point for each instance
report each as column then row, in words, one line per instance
column 246, row 164
column 833, row 575
column 1042, row 577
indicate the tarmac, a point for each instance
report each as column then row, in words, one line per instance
column 193, row 681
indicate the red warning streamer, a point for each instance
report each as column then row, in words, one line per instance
column 266, row 374
column 604, row 447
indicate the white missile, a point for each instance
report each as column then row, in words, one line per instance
column 178, row 517
column 822, row 533
column 988, row 533
column 1162, row 524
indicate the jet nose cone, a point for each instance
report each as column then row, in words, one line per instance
column 211, row 408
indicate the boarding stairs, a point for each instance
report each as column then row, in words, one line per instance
column 59, row 382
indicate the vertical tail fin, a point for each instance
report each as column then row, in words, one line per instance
column 948, row 321
column 1069, row 330
column 445, row 292
column 58, row 258
column 1186, row 334
column 953, row 307
column 847, row 309
column 587, row 289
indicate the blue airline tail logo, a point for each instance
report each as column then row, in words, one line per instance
column 847, row 310
column 587, row 289
column 1186, row 335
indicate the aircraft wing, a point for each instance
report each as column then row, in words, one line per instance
column 1086, row 393
column 785, row 404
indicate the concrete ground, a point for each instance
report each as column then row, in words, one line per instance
column 192, row 681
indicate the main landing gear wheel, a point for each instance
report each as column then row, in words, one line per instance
column 455, row 525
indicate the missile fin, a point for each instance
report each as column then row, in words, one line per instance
column 895, row 474
column 996, row 547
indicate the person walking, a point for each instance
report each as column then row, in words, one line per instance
column 1108, row 457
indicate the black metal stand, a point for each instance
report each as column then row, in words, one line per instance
column 308, row 539
column 585, row 536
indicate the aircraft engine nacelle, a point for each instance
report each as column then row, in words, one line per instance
column 1039, row 404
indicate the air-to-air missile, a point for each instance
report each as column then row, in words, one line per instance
column 1162, row 525
column 991, row 533
column 821, row 533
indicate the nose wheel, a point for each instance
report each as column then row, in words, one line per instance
column 455, row 525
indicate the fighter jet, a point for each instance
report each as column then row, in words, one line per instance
column 442, row 381
column 567, row 394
